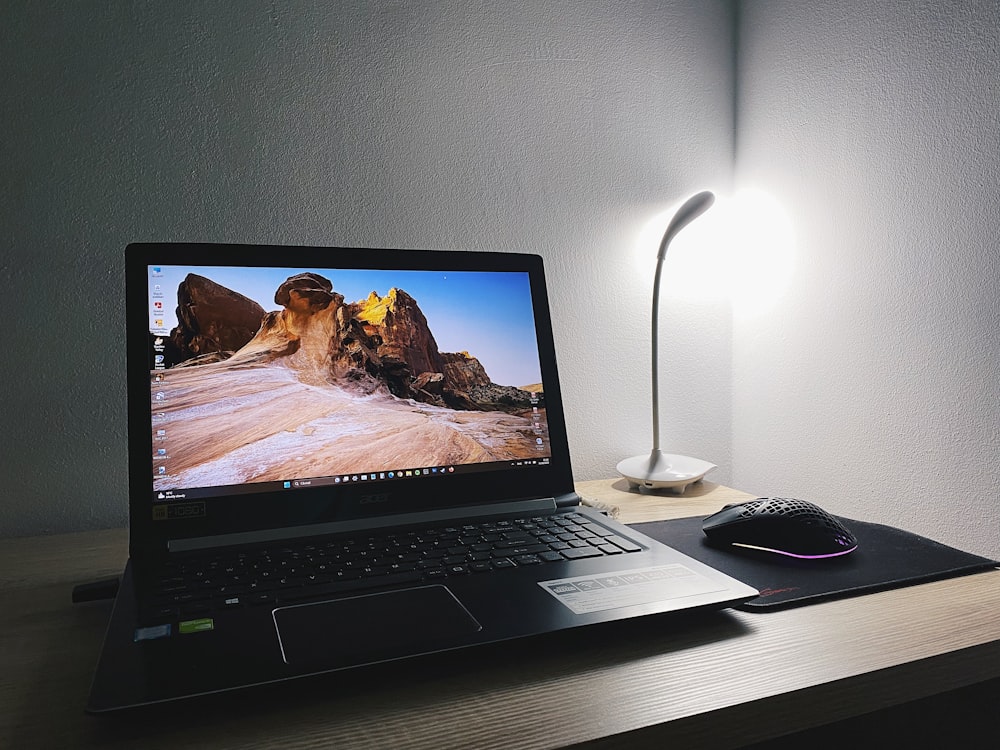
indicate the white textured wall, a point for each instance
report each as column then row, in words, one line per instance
column 873, row 384
column 556, row 127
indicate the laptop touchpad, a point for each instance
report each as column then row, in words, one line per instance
column 373, row 627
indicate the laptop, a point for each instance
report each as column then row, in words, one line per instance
column 340, row 457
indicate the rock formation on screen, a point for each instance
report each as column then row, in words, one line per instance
column 211, row 320
column 376, row 343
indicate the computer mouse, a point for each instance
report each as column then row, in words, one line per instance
column 782, row 525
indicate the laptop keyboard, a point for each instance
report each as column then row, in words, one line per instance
column 289, row 572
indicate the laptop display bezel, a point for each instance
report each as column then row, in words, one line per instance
column 328, row 504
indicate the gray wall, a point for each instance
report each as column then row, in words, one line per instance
column 870, row 384
column 873, row 384
column 552, row 127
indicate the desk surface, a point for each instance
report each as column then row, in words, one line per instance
column 719, row 679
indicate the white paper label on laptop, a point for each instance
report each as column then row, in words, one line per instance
column 595, row 593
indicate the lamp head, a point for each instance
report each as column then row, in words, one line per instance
column 693, row 207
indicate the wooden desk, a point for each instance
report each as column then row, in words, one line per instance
column 718, row 680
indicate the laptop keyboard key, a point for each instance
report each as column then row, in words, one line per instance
column 625, row 544
column 578, row 553
column 527, row 560
column 342, row 587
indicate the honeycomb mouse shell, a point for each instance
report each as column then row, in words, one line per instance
column 782, row 525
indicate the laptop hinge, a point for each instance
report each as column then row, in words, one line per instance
column 540, row 505
column 569, row 500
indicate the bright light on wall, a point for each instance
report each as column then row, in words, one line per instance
column 762, row 251
column 742, row 249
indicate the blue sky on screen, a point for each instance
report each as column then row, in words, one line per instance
column 488, row 315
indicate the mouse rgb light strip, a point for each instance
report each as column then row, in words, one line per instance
column 792, row 554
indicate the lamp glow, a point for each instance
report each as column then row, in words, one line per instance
column 761, row 251
column 742, row 253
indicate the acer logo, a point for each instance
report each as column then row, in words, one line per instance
column 381, row 497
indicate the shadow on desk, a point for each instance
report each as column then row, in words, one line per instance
column 959, row 719
column 450, row 693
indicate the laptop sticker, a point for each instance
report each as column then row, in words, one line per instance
column 196, row 626
column 152, row 633
column 596, row 593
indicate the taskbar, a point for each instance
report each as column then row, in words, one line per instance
column 195, row 493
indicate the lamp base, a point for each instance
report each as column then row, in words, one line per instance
column 659, row 470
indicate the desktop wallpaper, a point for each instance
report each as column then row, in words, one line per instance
column 263, row 375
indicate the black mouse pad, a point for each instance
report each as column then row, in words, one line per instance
column 886, row 558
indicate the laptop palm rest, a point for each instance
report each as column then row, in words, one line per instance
column 372, row 627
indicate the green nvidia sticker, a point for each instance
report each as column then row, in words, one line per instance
column 196, row 626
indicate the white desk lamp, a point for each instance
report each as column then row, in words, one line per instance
column 658, row 469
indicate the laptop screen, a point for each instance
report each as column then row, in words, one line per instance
column 285, row 378
column 276, row 386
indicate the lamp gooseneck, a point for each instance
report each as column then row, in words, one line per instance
column 659, row 469
column 693, row 207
